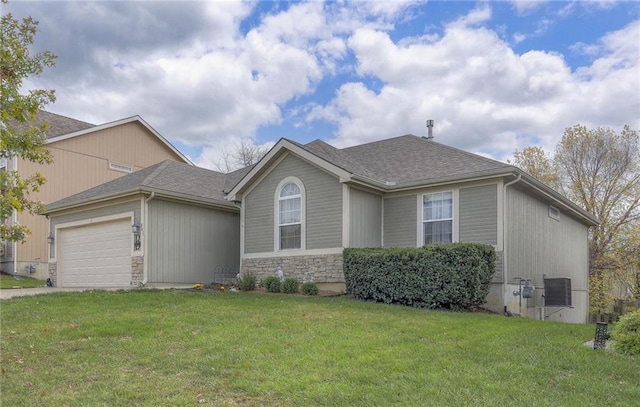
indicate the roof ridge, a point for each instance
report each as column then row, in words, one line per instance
column 463, row 151
column 155, row 172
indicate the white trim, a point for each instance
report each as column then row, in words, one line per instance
column 118, row 123
column 276, row 215
column 455, row 221
column 264, row 174
column 290, row 253
column 346, row 215
column 90, row 221
column 343, row 175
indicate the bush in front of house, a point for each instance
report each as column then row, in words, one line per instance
column 247, row 282
column 626, row 335
column 290, row 286
column 272, row 284
column 454, row 276
column 309, row 289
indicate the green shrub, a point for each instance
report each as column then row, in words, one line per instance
column 272, row 284
column 309, row 289
column 439, row 276
column 626, row 335
column 290, row 286
column 247, row 282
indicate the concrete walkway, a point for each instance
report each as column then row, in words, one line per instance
column 21, row 292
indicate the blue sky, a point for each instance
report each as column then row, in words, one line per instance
column 495, row 76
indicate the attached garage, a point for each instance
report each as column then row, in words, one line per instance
column 164, row 224
column 95, row 255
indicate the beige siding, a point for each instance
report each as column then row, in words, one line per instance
column 323, row 197
column 479, row 214
column 537, row 244
column 365, row 219
column 191, row 244
column 81, row 163
column 400, row 221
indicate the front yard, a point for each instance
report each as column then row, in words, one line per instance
column 174, row 348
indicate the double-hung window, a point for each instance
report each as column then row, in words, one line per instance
column 437, row 217
column 290, row 217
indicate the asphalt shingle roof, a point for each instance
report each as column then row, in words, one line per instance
column 58, row 125
column 405, row 159
column 170, row 177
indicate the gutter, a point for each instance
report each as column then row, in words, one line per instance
column 504, row 242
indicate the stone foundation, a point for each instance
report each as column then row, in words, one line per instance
column 53, row 274
column 318, row 268
column 137, row 271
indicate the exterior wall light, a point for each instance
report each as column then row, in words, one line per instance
column 51, row 238
column 136, row 228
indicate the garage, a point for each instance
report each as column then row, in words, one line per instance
column 95, row 255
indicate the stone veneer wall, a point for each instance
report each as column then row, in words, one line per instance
column 137, row 271
column 53, row 274
column 326, row 268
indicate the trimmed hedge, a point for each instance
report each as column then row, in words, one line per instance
column 454, row 276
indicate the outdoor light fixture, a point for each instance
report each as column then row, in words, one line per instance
column 51, row 238
column 136, row 228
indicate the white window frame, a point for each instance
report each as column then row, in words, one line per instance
column 277, row 225
column 452, row 218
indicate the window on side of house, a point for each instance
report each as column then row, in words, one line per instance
column 437, row 217
column 290, row 216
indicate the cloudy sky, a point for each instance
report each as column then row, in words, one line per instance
column 494, row 76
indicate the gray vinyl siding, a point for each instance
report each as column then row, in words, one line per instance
column 98, row 212
column 365, row 219
column 537, row 244
column 400, row 221
column 479, row 214
column 191, row 244
column 323, row 211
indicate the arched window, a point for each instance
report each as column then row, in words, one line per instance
column 290, row 216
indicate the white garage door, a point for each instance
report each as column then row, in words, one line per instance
column 96, row 255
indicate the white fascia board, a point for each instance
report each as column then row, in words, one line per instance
column 267, row 160
column 119, row 123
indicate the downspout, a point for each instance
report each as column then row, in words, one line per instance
column 504, row 242
column 145, row 262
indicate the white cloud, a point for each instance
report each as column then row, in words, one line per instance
column 481, row 94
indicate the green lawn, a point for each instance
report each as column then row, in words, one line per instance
column 8, row 282
column 179, row 348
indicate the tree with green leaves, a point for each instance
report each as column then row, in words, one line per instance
column 600, row 171
column 20, row 136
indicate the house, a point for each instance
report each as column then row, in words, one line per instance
column 85, row 155
column 167, row 223
column 301, row 205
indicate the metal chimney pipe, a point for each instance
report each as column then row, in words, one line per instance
column 430, row 128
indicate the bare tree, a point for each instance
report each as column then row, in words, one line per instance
column 599, row 170
column 246, row 152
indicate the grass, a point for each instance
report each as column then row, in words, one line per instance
column 8, row 282
column 150, row 348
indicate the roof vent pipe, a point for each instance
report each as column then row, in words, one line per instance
column 430, row 128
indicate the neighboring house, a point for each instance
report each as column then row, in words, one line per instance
column 186, row 231
column 302, row 204
column 84, row 155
